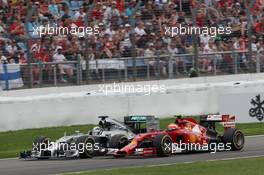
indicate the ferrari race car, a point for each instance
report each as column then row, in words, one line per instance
column 185, row 135
column 109, row 136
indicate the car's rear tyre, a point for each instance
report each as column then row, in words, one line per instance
column 86, row 146
column 118, row 141
column 41, row 143
column 234, row 137
column 163, row 145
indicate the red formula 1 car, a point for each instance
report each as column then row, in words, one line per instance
column 186, row 134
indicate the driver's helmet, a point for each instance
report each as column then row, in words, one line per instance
column 96, row 131
column 173, row 126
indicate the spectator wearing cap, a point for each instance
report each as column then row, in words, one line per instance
column 111, row 11
column 97, row 13
column 137, row 18
column 150, row 51
column 80, row 14
column 125, row 19
column 140, row 29
column 127, row 30
column 101, row 29
column 58, row 57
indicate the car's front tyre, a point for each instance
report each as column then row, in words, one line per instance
column 85, row 146
column 163, row 145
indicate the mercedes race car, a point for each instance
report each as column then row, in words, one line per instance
column 186, row 134
column 106, row 138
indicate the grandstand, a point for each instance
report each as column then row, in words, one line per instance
column 129, row 40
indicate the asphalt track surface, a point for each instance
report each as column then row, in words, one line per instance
column 254, row 146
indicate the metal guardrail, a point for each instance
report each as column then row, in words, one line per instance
column 138, row 69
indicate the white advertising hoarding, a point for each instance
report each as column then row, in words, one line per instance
column 248, row 107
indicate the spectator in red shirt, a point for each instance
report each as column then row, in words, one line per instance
column 17, row 29
column 120, row 4
column 200, row 19
column 97, row 13
column 259, row 26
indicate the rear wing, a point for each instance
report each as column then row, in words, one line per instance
column 228, row 121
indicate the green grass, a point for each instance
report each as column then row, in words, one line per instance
column 12, row 142
column 247, row 166
column 247, row 128
column 251, row 128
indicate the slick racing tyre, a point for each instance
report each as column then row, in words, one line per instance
column 234, row 137
column 163, row 144
column 86, row 146
column 118, row 141
column 41, row 143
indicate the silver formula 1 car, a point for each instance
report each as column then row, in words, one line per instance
column 107, row 137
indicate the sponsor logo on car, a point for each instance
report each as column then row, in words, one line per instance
column 258, row 108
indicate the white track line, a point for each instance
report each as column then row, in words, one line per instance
column 255, row 136
column 13, row 158
column 234, row 158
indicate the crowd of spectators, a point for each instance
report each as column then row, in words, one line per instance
column 127, row 29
